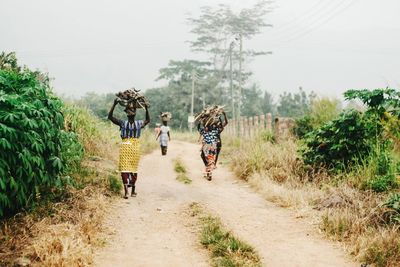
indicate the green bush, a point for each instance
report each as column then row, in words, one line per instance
column 31, row 137
column 72, row 151
column 321, row 111
column 393, row 204
column 382, row 183
column 114, row 185
column 303, row 126
column 339, row 142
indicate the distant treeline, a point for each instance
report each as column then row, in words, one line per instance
column 177, row 100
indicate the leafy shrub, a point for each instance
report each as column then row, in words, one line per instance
column 321, row 111
column 81, row 122
column 393, row 203
column 31, row 137
column 382, row 183
column 72, row 151
column 114, row 185
column 303, row 126
column 378, row 101
column 340, row 142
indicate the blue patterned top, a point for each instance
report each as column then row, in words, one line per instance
column 211, row 135
column 131, row 129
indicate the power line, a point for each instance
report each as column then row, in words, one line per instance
column 317, row 24
column 305, row 21
column 309, row 11
column 311, row 20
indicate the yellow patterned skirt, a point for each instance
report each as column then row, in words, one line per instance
column 129, row 155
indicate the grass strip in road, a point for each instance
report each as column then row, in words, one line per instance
column 181, row 171
column 226, row 249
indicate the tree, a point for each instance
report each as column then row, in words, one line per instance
column 252, row 101
column 295, row 105
column 216, row 28
column 267, row 104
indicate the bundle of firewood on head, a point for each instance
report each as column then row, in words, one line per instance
column 210, row 115
column 165, row 116
column 131, row 99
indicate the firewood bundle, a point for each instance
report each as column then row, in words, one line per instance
column 210, row 115
column 132, row 99
column 166, row 116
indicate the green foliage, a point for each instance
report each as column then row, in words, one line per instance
column 295, row 105
column 36, row 153
column 378, row 101
column 8, row 61
column 382, row 183
column 321, row 111
column 339, row 142
column 114, row 185
column 72, row 151
column 303, row 126
column 393, row 203
column 255, row 103
column 99, row 104
column 30, row 125
column 81, row 122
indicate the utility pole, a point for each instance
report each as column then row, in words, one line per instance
column 191, row 109
column 231, row 78
column 240, row 76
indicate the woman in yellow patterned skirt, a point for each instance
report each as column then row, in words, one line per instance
column 129, row 154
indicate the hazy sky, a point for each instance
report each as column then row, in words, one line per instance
column 101, row 45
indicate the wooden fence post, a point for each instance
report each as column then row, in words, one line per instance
column 269, row 122
column 256, row 125
column 277, row 127
column 262, row 122
column 241, row 127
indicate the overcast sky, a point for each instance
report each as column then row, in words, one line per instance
column 326, row 46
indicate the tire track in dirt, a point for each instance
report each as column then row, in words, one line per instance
column 153, row 229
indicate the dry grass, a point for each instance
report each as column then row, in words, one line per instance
column 225, row 249
column 344, row 213
column 148, row 142
column 61, row 234
column 186, row 136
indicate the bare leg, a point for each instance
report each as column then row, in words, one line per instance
column 125, row 177
column 134, row 178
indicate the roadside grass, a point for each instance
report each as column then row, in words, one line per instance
column 61, row 233
column 66, row 226
column 186, row 136
column 181, row 171
column 148, row 141
column 225, row 249
column 344, row 210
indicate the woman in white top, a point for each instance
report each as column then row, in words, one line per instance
column 164, row 137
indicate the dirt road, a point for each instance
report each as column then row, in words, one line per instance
column 152, row 229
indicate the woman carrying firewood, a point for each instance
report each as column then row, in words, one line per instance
column 164, row 134
column 210, row 129
column 130, row 131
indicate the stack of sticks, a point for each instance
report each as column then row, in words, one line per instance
column 166, row 116
column 132, row 99
column 210, row 115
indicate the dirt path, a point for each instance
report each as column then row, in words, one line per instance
column 152, row 228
